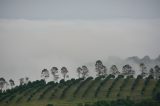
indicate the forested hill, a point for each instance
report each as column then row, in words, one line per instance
column 76, row 91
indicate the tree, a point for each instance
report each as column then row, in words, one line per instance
column 127, row 70
column 157, row 71
column 85, row 71
column 114, row 70
column 26, row 80
column 21, row 80
column 64, row 72
column 104, row 70
column 54, row 71
column 151, row 72
column 2, row 83
column 11, row 83
column 7, row 85
column 79, row 71
column 143, row 69
column 100, row 68
column 45, row 74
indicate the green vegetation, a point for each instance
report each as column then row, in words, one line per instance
column 102, row 83
column 122, row 102
column 72, row 82
column 125, row 82
column 146, row 84
column 91, row 85
column 113, row 84
column 81, row 84
column 74, row 86
column 136, row 82
column 116, row 89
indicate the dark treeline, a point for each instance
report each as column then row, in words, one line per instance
column 83, row 72
column 40, row 84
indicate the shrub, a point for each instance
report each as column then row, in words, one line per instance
column 120, row 76
column 79, row 104
column 86, row 104
column 147, row 103
column 49, row 105
column 62, row 81
column 120, row 102
column 101, row 103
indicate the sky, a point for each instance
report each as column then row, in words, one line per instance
column 38, row 34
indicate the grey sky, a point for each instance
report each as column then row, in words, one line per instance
column 37, row 34
column 79, row 9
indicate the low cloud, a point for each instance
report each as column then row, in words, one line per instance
column 28, row 46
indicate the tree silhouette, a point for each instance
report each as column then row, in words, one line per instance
column 54, row 71
column 127, row 70
column 104, row 71
column 143, row 70
column 2, row 83
column 114, row 70
column 45, row 74
column 11, row 83
column 157, row 71
column 100, row 68
column 79, row 71
column 21, row 81
column 151, row 72
column 85, row 71
column 64, row 72
column 7, row 85
column 26, row 80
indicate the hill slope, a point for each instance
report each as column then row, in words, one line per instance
column 72, row 92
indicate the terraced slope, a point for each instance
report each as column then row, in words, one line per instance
column 115, row 89
column 77, row 91
column 149, row 88
column 126, row 89
column 103, row 91
column 39, row 93
column 90, row 91
column 136, row 93
column 70, row 92
column 81, row 91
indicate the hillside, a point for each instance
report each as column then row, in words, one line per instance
column 75, row 91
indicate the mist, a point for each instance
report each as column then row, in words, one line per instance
column 28, row 46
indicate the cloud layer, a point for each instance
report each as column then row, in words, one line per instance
column 28, row 46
